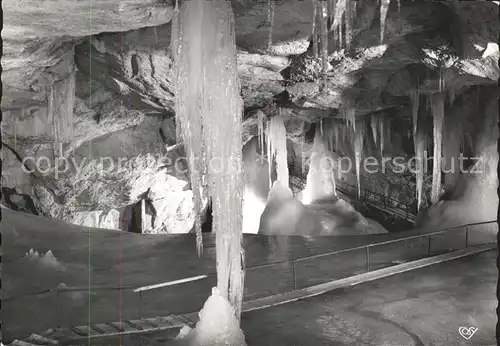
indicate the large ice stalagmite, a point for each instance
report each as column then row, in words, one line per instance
column 321, row 176
column 437, row 103
column 276, row 143
column 256, row 187
column 209, row 111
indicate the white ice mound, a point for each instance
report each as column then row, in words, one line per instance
column 218, row 325
column 47, row 260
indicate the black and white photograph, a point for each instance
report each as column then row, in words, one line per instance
column 250, row 173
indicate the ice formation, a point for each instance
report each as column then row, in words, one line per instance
column 358, row 151
column 270, row 19
column 415, row 104
column 209, row 112
column 384, row 7
column 419, row 144
column 374, row 127
column 437, row 115
column 349, row 20
column 260, row 130
column 324, row 39
column 381, row 126
column 61, row 96
column 314, row 33
column 47, row 260
column 452, row 140
column 350, row 115
column 321, row 176
column 276, row 144
column 217, row 325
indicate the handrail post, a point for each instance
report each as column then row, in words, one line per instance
column 294, row 276
column 367, row 259
column 140, row 304
column 58, row 313
column 466, row 237
column 429, row 246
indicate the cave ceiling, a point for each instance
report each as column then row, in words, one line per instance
column 125, row 46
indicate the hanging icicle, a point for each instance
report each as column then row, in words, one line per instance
column 186, row 45
column 381, row 124
column 314, row 33
column 437, row 115
column 451, row 96
column 415, row 103
column 399, row 6
column 358, row 150
column 374, row 127
column 441, row 79
column 384, row 7
column 350, row 116
column 349, row 18
column 324, row 40
column 270, row 20
column 420, row 143
column 260, row 130
column 209, row 109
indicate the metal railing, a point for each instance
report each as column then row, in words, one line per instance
column 289, row 275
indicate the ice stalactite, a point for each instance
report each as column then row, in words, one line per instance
column 441, row 79
column 381, row 127
column 374, row 127
column 384, row 7
column 260, row 130
column 186, row 45
column 270, row 20
column 451, row 96
column 336, row 136
column 350, row 116
column 415, row 104
column 420, row 146
column 452, row 140
column 276, row 143
column 359, row 134
column 438, row 116
column 314, row 33
column 349, row 20
column 209, row 109
column 324, row 40
column 339, row 15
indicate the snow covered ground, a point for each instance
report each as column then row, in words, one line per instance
column 74, row 256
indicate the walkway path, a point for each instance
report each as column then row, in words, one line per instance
column 422, row 307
